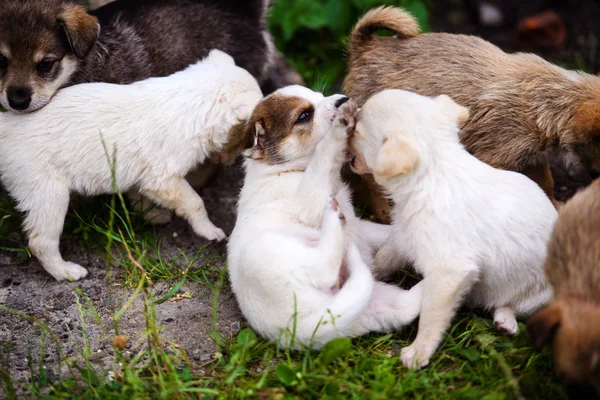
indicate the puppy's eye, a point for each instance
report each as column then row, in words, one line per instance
column 3, row 62
column 596, row 140
column 305, row 116
column 45, row 66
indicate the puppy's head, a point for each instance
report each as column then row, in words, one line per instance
column 572, row 329
column 580, row 142
column 286, row 126
column 41, row 43
column 395, row 129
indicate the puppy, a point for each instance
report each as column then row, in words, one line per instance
column 49, row 44
column 521, row 106
column 477, row 234
column 298, row 257
column 155, row 131
column 572, row 322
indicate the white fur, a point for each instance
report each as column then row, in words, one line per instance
column 476, row 234
column 289, row 245
column 157, row 130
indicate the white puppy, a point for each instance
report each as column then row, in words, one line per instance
column 299, row 268
column 157, row 130
column 475, row 233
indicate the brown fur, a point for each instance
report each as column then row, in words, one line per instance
column 521, row 106
column 275, row 120
column 572, row 322
column 81, row 28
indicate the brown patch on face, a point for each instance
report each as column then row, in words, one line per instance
column 281, row 117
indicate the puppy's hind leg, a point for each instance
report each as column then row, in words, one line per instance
column 46, row 211
column 390, row 308
column 176, row 194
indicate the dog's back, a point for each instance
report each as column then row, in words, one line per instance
column 158, row 38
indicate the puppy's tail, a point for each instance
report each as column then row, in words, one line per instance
column 340, row 317
column 395, row 19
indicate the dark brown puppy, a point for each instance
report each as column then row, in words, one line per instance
column 49, row 44
column 571, row 324
column 521, row 106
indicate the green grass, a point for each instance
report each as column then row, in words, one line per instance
column 473, row 363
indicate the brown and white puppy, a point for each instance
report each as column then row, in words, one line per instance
column 49, row 44
column 298, row 258
column 571, row 324
column 521, row 106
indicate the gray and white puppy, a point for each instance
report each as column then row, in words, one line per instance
column 49, row 44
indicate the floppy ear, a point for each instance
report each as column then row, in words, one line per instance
column 80, row 28
column 257, row 151
column 396, row 157
column 542, row 325
column 456, row 112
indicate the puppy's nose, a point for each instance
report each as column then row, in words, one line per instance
column 19, row 98
column 341, row 101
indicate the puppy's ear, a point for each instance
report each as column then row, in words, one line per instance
column 396, row 157
column 257, row 151
column 456, row 112
column 80, row 28
column 542, row 326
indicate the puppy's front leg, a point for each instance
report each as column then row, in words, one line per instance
column 322, row 178
column 443, row 289
column 177, row 194
column 46, row 212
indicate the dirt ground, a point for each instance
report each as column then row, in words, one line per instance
column 27, row 288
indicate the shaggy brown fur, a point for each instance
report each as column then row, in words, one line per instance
column 572, row 322
column 521, row 106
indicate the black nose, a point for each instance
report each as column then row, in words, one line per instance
column 341, row 101
column 19, row 98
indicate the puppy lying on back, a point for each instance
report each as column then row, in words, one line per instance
column 157, row 130
column 477, row 234
column 572, row 322
column 521, row 106
column 298, row 257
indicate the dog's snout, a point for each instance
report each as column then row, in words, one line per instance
column 341, row 101
column 19, row 98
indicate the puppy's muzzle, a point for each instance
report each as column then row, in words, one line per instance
column 19, row 98
column 341, row 101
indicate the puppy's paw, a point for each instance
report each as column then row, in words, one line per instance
column 415, row 356
column 335, row 208
column 69, row 272
column 505, row 322
column 347, row 116
column 211, row 232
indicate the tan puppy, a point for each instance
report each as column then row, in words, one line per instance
column 521, row 106
column 572, row 322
